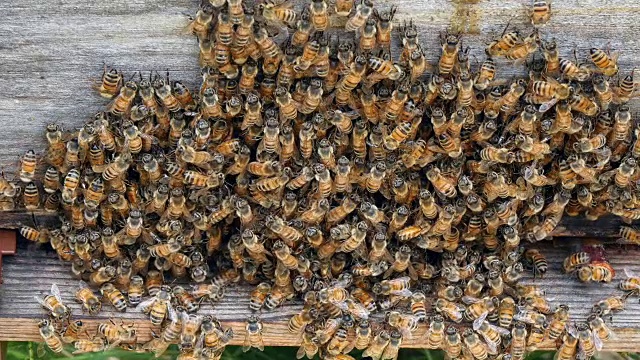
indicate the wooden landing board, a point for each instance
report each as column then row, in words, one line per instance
column 32, row 271
column 52, row 51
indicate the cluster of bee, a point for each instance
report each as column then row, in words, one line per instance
column 197, row 337
column 328, row 169
column 589, row 265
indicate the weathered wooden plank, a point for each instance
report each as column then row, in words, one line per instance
column 32, row 271
column 53, row 51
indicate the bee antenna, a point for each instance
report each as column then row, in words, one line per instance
column 506, row 27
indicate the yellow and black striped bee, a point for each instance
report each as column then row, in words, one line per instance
column 537, row 261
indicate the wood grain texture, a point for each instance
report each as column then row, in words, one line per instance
column 32, row 271
column 52, row 51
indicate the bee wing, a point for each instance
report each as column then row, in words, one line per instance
column 260, row 345
column 612, row 335
column 349, row 347
column 521, row 317
column 55, row 291
column 41, row 351
column 246, row 344
column 199, row 343
column 172, row 315
column 406, row 333
column 547, row 106
column 478, row 322
column 596, row 340
column 628, row 273
column 412, row 272
column 301, row 352
column 501, row 330
column 342, row 305
column 41, row 302
column 287, row 4
column 470, row 300
column 388, row 273
column 403, row 293
column 143, row 306
column 571, row 330
column 114, row 344
column 491, row 345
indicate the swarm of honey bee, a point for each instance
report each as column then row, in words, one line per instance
column 386, row 192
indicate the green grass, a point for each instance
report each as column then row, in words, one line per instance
column 27, row 351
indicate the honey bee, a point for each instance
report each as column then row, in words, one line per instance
column 115, row 297
column 503, row 45
column 601, row 331
column 363, row 11
column 474, row 345
column 537, row 260
column 135, row 290
column 405, row 323
column 121, row 105
column 599, row 271
column 551, row 57
column 568, row 347
column 540, row 12
column 518, row 340
column 319, row 16
column 339, row 343
column 158, row 306
column 72, row 331
column 384, row 26
column 436, row 333
column 202, row 21
column 395, row 341
column 522, row 50
column 89, row 300
column 51, row 338
column 299, row 321
column 377, row 345
column 605, row 63
column 558, row 322
column 452, row 343
column 29, row 233
column 368, row 35
column 53, row 304
column 115, row 334
column 449, row 309
column 576, row 260
column 586, row 341
column 383, row 69
column 450, row 48
column 583, row 104
column 253, row 336
column 440, row 183
column 28, row 164
column 309, row 347
column 111, row 82
column 185, row 299
column 609, row 305
column 56, row 147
